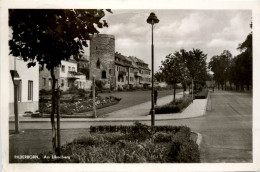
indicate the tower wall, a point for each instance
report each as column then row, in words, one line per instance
column 102, row 49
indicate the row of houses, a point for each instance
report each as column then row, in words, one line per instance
column 114, row 69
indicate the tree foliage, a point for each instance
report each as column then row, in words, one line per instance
column 237, row 70
column 47, row 37
column 183, row 66
column 195, row 61
column 220, row 65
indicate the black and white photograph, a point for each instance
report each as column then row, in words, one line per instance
column 149, row 86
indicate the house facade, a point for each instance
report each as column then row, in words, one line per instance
column 28, row 88
column 67, row 76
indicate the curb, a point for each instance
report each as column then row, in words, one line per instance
column 199, row 139
column 158, row 118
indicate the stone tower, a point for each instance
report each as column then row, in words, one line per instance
column 102, row 59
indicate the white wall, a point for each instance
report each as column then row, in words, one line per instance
column 67, row 64
column 25, row 74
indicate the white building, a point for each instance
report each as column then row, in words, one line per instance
column 28, row 90
column 67, row 76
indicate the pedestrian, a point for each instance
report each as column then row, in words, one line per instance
column 155, row 96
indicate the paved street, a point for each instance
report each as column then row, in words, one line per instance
column 226, row 130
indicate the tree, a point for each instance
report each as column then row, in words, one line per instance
column 246, row 57
column 220, row 65
column 195, row 62
column 172, row 70
column 159, row 76
column 49, row 36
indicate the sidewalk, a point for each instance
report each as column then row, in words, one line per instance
column 138, row 113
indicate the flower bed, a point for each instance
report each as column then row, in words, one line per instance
column 202, row 94
column 70, row 107
column 138, row 145
column 174, row 107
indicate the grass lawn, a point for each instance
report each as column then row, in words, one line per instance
column 129, row 99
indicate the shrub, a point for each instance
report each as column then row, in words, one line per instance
column 168, row 108
column 162, row 137
column 171, row 145
column 88, row 141
column 182, row 148
column 36, row 115
column 202, row 94
column 44, row 92
column 183, row 151
column 174, row 107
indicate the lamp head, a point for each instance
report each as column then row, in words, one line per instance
column 152, row 19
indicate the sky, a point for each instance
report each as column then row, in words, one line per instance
column 212, row 31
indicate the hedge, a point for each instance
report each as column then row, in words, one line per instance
column 202, row 94
column 174, row 107
column 170, row 144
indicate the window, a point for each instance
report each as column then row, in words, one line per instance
column 69, row 68
column 68, row 83
column 117, row 68
column 44, row 81
column 62, row 83
column 123, row 79
column 63, row 68
column 30, row 90
column 118, row 78
column 49, row 82
column 73, row 69
column 110, row 71
column 19, row 92
column 98, row 64
column 104, row 75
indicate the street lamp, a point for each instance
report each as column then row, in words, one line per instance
column 152, row 19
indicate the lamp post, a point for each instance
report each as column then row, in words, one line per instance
column 152, row 19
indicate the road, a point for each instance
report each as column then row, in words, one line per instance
column 226, row 130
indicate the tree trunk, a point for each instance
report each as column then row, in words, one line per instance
column 53, row 105
column 222, row 85
column 192, row 90
column 247, row 86
column 174, row 91
column 230, row 85
column 218, row 86
column 242, row 87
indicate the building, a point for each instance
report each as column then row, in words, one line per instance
column 102, row 59
column 142, row 73
column 28, row 88
column 114, row 69
column 67, row 76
